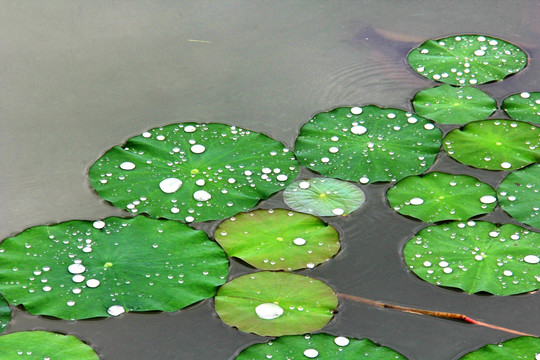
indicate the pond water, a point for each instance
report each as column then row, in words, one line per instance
column 78, row 78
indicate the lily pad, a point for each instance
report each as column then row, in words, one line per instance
column 5, row 313
column 319, row 346
column 523, row 347
column 495, row 144
column 477, row 256
column 467, row 59
column 276, row 303
column 323, row 197
column 524, row 106
column 40, row 345
column 83, row 269
column 447, row 104
column 368, row 144
column 278, row 239
column 193, row 172
column 519, row 195
column 440, row 196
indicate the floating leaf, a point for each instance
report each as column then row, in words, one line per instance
column 278, row 239
column 80, row 269
column 524, row 106
column 276, row 303
column 494, row 144
column 519, row 197
column 368, row 144
column 523, row 347
column 323, row 197
column 43, row 345
column 467, row 59
column 477, row 256
column 439, row 196
column 5, row 313
column 320, row 346
column 193, row 172
column 447, row 104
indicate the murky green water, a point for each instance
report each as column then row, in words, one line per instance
column 78, row 78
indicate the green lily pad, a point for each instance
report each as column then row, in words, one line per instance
column 495, row 144
column 447, row 104
column 319, row 346
column 323, row 197
column 5, row 313
column 276, row 303
column 79, row 269
column 523, row 347
column 519, row 195
column 278, row 239
column 368, row 144
column 524, row 106
column 440, row 196
column 193, row 172
column 40, row 345
column 477, row 256
column 467, row 59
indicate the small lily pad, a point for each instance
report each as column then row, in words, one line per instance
column 524, row 106
column 495, row 144
column 193, row 172
column 439, row 196
column 447, row 104
column 368, row 144
column 5, row 313
column 467, row 59
column 276, row 303
column 477, row 256
column 278, row 239
column 83, row 269
column 318, row 346
column 323, row 196
column 40, row 345
column 523, row 347
column 519, row 195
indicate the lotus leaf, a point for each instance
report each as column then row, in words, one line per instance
column 523, row 347
column 519, row 197
column 524, row 106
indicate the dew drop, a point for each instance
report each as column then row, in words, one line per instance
column 416, row 201
column 303, row 185
column 479, row 52
column 202, row 195
column 127, row 165
column 76, row 268
column 358, row 130
column 311, row 353
column 116, row 310
column 508, row 273
column 299, row 241
column 479, row 257
column 70, row 303
column 268, row 311
column 77, row 278
column 525, row 95
column 98, row 224
column 189, row 128
column 47, row 288
column 338, row 211
column 488, row 199
column 364, row 180
column 282, row 177
column 198, row 149
column 92, row 283
column 341, row 341
column 170, row 185
column 506, row 165
column 531, row 259
column 429, row 126
column 356, row 110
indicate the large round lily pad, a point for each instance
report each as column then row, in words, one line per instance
column 467, row 59
column 523, row 347
column 276, row 303
column 477, row 256
column 318, row 346
column 43, row 345
column 519, row 195
column 83, row 269
column 323, row 196
column 495, row 144
column 447, row 104
column 368, row 144
column 278, row 239
column 524, row 106
column 193, row 172
column 438, row 196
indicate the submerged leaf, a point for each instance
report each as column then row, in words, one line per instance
column 193, row 172
column 439, row 196
column 278, row 239
column 447, row 104
column 467, row 59
column 276, row 303
column 40, row 345
column 523, row 347
column 519, row 195
column 495, row 144
column 319, row 346
column 524, row 106
column 79, row 269
column 368, row 144
column 323, row 197
column 477, row 256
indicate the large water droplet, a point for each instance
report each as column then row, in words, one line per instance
column 92, row 283
column 170, row 185
column 198, row 149
column 358, row 130
column 98, row 224
column 531, row 259
column 356, row 110
column 488, row 199
column 127, row 165
column 116, row 310
column 269, row 311
column 416, row 201
column 303, row 185
column 341, row 341
column 189, row 128
column 76, row 268
column 338, row 211
column 311, row 353
column 299, row 241
column 201, row 195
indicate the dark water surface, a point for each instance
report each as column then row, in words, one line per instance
column 77, row 78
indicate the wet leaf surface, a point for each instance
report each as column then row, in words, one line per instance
column 523, row 347
column 519, row 195
column 5, row 313
column 524, row 106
